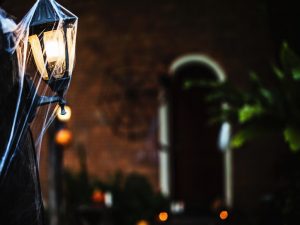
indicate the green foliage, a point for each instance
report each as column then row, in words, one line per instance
column 241, row 137
column 248, row 112
column 292, row 136
column 269, row 104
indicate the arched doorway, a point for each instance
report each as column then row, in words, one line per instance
column 194, row 161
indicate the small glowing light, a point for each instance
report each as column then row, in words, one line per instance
column 177, row 207
column 108, row 199
column 163, row 216
column 66, row 117
column 98, row 196
column 63, row 137
column 223, row 215
column 142, row 222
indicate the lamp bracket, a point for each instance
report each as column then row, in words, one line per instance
column 34, row 100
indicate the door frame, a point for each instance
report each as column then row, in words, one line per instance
column 164, row 129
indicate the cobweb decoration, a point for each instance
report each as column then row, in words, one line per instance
column 36, row 64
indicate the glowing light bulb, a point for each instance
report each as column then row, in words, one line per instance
column 52, row 50
column 66, row 117
column 54, row 46
column 55, row 52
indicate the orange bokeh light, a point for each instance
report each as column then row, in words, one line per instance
column 163, row 216
column 142, row 222
column 98, row 196
column 223, row 215
column 63, row 137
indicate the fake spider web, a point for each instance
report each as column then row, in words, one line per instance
column 21, row 85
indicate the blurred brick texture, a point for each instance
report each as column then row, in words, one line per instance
column 133, row 42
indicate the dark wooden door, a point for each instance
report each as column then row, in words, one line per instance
column 196, row 161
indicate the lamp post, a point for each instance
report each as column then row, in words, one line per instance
column 52, row 38
column 59, row 139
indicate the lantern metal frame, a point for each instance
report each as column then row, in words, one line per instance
column 47, row 18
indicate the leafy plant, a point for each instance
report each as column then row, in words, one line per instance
column 271, row 104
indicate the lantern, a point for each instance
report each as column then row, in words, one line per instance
column 52, row 38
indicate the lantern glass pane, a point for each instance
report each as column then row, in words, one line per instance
column 38, row 56
column 71, row 40
column 54, row 45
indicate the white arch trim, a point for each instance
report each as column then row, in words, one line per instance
column 201, row 59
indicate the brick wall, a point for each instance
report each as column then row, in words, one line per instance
column 126, row 44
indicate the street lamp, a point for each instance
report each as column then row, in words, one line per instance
column 52, row 38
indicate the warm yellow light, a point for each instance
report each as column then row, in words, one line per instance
column 66, row 117
column 142, row 222
column 37, row 53
column 63, row 137
column 54, row 51
column 223, row 215
column 163, row 216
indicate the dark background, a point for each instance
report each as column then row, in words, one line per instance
column 123, row 48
